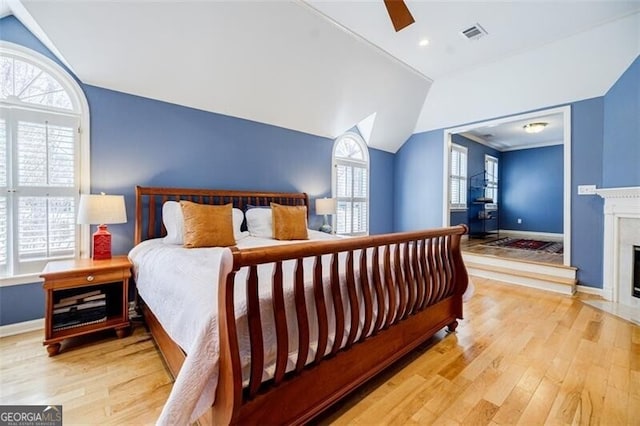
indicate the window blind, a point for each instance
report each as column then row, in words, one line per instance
column 458, row 177
column 41, row 190
column 351, row 186
column 3, row 197
column 491, row 172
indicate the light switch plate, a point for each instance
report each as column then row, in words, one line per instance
column 586, row 189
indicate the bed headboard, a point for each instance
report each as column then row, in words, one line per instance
column 149, row 201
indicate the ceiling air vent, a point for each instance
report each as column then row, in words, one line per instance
column 474, row 33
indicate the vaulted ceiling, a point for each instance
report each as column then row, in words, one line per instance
column 321, row 67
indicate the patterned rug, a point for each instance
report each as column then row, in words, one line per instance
column 524, row 244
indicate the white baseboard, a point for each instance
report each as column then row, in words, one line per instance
column 590, row 290
column 532, row 234
column 21, row 327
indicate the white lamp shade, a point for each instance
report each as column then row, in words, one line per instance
column 326, row 205
column 101, row 209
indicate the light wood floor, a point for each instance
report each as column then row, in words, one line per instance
column 521, row 356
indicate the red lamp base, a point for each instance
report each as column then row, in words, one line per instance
column 102, row 243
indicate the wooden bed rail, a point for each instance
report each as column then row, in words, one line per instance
column 400, row 289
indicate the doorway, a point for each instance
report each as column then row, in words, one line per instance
column 507, row 137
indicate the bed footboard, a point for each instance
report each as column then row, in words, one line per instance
column 400, row 290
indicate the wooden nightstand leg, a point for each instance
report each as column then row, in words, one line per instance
column 53, row 349
column 122, row 332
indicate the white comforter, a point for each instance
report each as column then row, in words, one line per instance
column 181, row 288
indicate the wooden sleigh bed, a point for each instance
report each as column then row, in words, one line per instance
column 415, row 290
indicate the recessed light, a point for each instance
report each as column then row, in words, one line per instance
column 534, row 127
column 423, row 42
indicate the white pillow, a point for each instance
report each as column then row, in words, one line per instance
column 259, row 222
column 238, row 218
column 174, row 223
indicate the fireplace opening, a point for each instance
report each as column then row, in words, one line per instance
column 636, row 271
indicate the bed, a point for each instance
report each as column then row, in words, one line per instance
column 293, row 327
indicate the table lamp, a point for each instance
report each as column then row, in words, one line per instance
column 326, row 206
column 101, row 210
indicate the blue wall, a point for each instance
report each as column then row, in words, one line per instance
column 587, row 215
column 621, row 153
column 139, row 141
column 532, row 188
column 418, row 182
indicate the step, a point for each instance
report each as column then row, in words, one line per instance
column 545, row 276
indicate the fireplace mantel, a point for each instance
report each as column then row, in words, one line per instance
column 619, row 204
column 629, row 192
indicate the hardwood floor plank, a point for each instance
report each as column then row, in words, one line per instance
column 633, row 409
column 634, row 383
column 623, row 335
column 500, row 390
column 377, row 413
column 595, row 389
column 511, row 410
column 482, row 413
column 540, row 403
column 615, row 409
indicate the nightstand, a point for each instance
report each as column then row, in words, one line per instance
column 84, row 296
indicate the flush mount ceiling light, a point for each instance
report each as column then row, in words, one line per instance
column 424, row 42
column 534, row 127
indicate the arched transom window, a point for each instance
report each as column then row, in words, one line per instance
column 40, row 121
column 26, row 83
column 350, row 183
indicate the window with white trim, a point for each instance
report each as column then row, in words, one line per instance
column 350, row 182
column 491, row 181
column 458, row 177
column 40, row 118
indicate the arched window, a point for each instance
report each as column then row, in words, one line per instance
column 350, row 184
column 42, row 112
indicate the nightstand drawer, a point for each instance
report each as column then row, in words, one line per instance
column 86, row 277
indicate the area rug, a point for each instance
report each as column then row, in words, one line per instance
column 524, row 244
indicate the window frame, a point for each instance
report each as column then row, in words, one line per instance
column 80, row 111
column 461, row 178
column 335, row 162
column 493, row 184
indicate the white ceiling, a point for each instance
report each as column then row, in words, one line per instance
column 280, row 62
column 513, row 27
column 583, row 66
column 323, row 66
column 511, row 135
column 536, row 54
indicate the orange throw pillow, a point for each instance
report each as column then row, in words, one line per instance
column 289, row 222
column 207, row 226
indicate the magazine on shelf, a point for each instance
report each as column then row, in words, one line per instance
column 59, row 327
column 75, row 317
column 96, row 297
column 80, row 306
column 80, row 296
column 77, row 300
column 81, row 314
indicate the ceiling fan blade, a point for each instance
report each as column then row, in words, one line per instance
column 399, row 14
